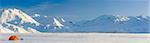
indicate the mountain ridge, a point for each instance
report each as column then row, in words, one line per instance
column 102, row 23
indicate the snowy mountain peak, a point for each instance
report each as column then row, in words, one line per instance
column 144, row 16
column 121, row 18
column 36, row 15
column 57, row 23
column 10, row 14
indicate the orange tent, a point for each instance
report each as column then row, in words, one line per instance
column 15, row 37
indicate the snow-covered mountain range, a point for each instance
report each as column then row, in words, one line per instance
column 103, row 23
column 110, row 23
column 107, row 23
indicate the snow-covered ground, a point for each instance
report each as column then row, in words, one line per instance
column 79, row 38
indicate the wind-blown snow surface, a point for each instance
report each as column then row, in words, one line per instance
column 79, row 38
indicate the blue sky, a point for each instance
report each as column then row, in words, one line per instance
column 79, row 9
